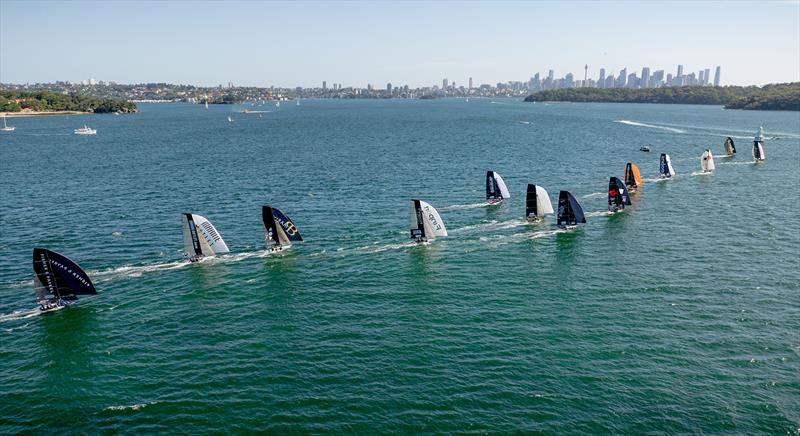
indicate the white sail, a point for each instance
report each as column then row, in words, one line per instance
column 200, row 238
column 502, row 185
column 543, row 204
column 758, row 145
column 434, row 226
column 707, row 161
column 671, row 171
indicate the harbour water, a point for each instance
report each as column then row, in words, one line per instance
column 680, row 315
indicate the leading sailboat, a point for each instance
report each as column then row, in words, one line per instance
column 58, row 280
column 425, row 222
column 279, row 230
column 496, row 189
column 758, row 146
column 570, row 212
column 200, row 238
column 537, row 203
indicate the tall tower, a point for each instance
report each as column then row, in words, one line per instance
column 444, row 83
column 601, row 82
column 680, row 71
column 470, row 83
column 585, row 75
column 716, row 77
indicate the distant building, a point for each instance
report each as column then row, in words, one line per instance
column 680, row 71
column 657, row 79
column 325, row 85
column 622, row 78
column 716, row 76
column 444, row 84
column 389, row 88
column 470, row 83
column 707, row 76
column 585, row 75
column 602, row 79
column 609, row 81
column 645, row 83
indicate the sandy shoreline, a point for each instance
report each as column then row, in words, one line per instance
column 38, row 114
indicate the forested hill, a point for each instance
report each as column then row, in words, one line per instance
column 783, row 96
column 46, row 101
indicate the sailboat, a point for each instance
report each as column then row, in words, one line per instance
column 707, row 161
column 6, row 127
column 496, row 189
column 279, row 230
column 298, row 103
column 230, row 120
column 570, row 213
column 730, row 148
column 425, row 222
column 633, row 180
column 206, row 104
column 618, row 197
column 58, row 280
column 278, row 103
column 537, row 203
column 665, row 167
column 200, row 238
column 758, row 146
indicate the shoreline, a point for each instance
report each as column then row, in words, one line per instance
column 41, row 114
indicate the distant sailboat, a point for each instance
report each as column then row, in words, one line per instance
column 230, row 120
column 665, row 167
column 200, row 238
column 633, row 180
column 278, row 103
column 467, row 100
column 279, row 230
column 206, row 104
column 425, row 222
column 298, row 103
column 6, row 127
column 58, row 280
column 707, row 161
column 758, row 146
column 537, row 203
column 618, row 197
column 496, row 189
column 730, row 148
column 570, row 212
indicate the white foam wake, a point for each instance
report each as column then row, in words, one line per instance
column 737, row 163
column 595, row 194
column 598, row 213
column 466, row 206
column 650, row 126
column 702, row 173
column 19, row 314
column 131, row 407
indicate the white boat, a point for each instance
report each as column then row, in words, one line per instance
column 298, row 102
column 496, row 189
column 537, row 203
column 758, row 146
column 665, row 167
column 85, row 130
column 707, row 161
column 230, row 120
column 6, row 127
column 206, row 104
column 277, row 104
column 200, row 238
column 425, row 222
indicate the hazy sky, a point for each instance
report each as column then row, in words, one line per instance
column 414, row 43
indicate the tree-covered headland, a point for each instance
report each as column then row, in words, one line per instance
column 46, row 101
column 782, row 96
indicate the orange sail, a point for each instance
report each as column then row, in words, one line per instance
column 633, row 180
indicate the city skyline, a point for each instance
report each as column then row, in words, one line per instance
column 302, row 44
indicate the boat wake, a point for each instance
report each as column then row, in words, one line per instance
column 492, row 225
column 467, row 206
column 702, row 173
column 525, row 122
column 376, row 248
column 498, row 240
column 131, row 407
column 737, row 163
column 650, row 126
column 595, row 194
column 598, row 213
column 20, row 314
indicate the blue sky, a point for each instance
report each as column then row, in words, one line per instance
column 414, row 43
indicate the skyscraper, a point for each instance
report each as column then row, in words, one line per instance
column 470, row 83
column 645, row 77
column 680, row 71
column 716, row 76
column 601, row 82
column 701, row 78
column 707, row 76
column 444, row 84
column 389, row 88
column 324, row 85
column 622, row 78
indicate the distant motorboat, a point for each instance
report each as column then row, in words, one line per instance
column 645, row 149
column 6, row 127
column 85, row 130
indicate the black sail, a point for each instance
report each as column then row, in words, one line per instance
column 270, row 230
column 570, row 212
column 530, row 201
column 56, row 277
column 417, row 223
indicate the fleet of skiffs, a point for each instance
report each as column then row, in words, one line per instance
column 58, row 280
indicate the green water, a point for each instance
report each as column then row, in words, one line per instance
column 681, row 315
